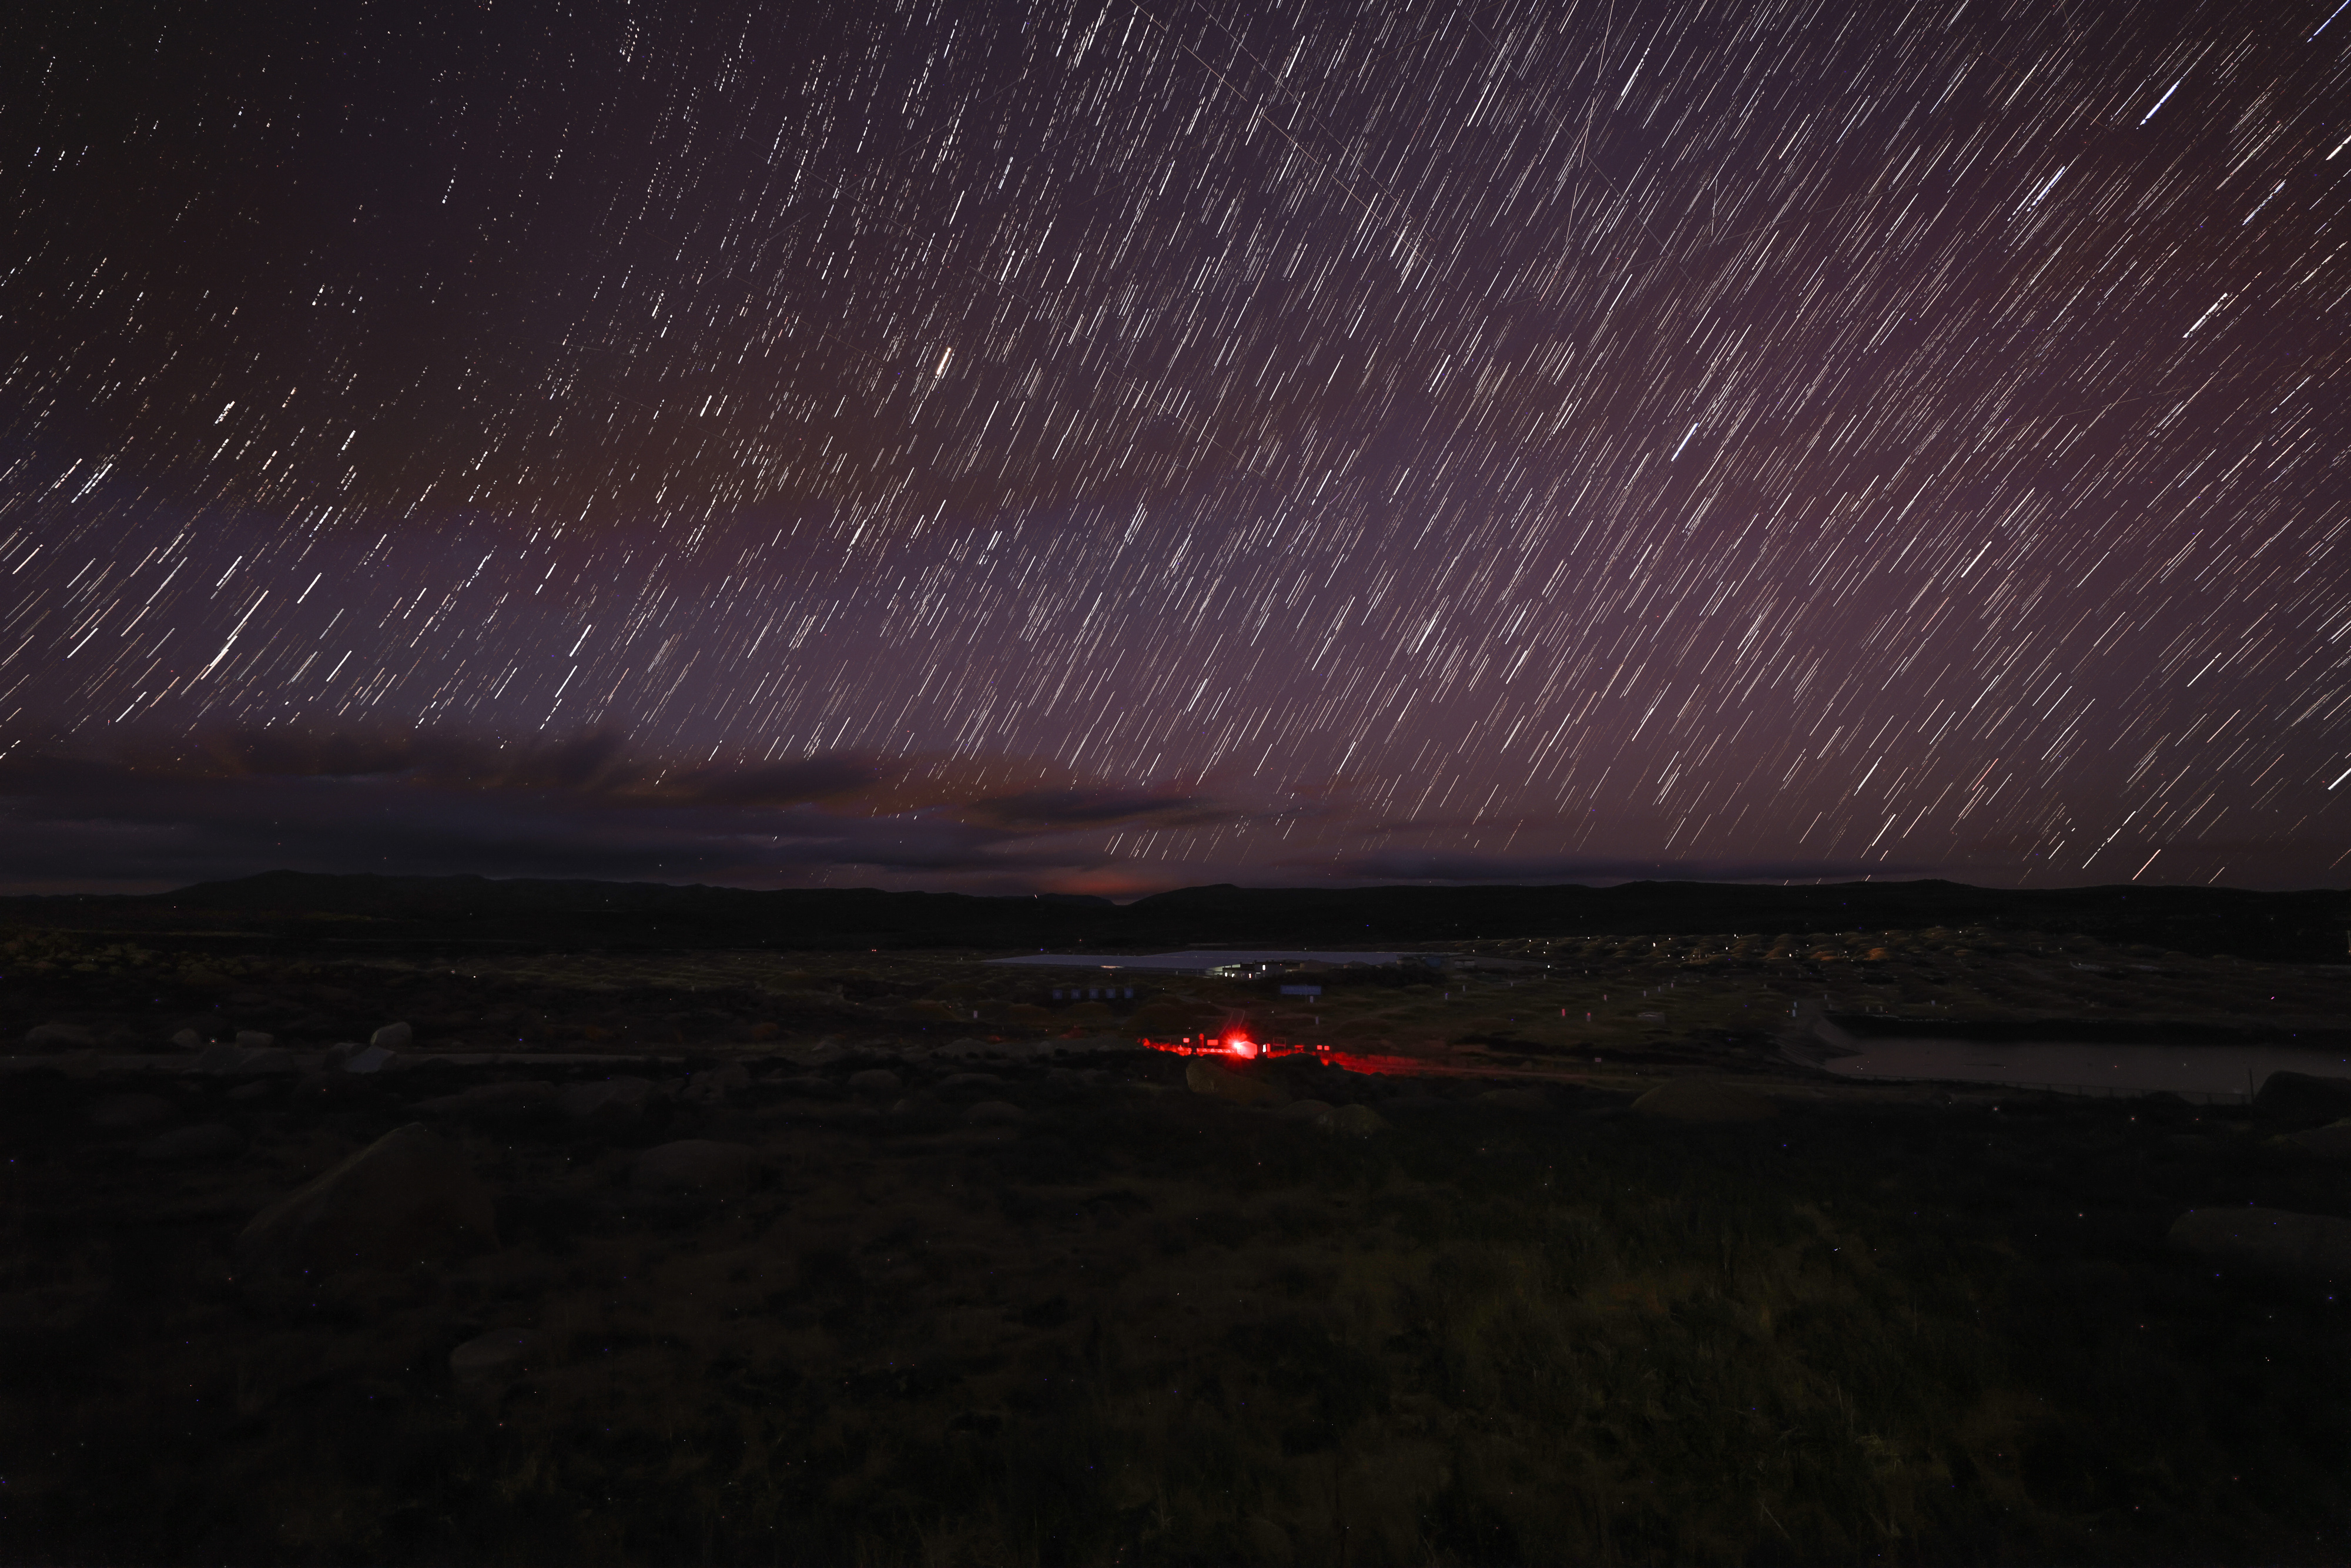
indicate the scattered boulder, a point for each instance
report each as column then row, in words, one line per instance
column 613, row 1102
column 407, row 1197
column 1314, row 1110
column 2332, row 1141
column 968, row 1085
column 204, row 1141
column 488, row 1355
column 130, row 1112
column 696, row 1165
column 254, row 1040
column 253, row 1091
column 995, row 1114
column 2272, row 1240
column 1207, row 1077
column 715, row 1083
column 1697, row 1100
column 393, row 1037
column 809, row 1086
column 374, row 1059
column 488, row 1100
column 873, row 1081
column 1357, row 1122
column 188, row 1040
column 2303, row 1097
column 60, row 1037
column 225, row 1059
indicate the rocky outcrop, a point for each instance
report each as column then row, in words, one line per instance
column 2304, row 1097
column 374, row 1059
column 487, row 1100
column 712, row 1084
column 967, row 1085
column 696, row 1165
column 406, row 1198
column 499, row 1353
column 612, row 1103
column 2332, row 1141
column 226, row 1058
column 129, row 1112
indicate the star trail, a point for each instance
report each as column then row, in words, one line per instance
column 1109, row 446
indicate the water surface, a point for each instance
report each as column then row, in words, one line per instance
column 2198, row 1072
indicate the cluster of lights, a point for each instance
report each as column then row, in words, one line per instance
column 1236, row 1044
column 1231, row 1042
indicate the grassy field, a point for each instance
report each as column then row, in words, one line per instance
column 1128, row 1322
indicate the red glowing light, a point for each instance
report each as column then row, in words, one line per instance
column 1240, row 1045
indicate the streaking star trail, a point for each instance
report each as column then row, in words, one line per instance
column 1097, row 446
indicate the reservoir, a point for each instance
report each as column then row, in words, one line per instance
column 2230, row 1074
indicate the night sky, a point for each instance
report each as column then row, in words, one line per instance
column 1102, row 448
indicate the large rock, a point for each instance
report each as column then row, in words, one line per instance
column 1318, row 1112
column 393, row 1037
column 611, row 1102
column 1357, row 1122
column 406, row 1198
column 2270, row 1241
column 188, row 1040
column 497, row 1352
column 2300, row 1097
column 60, row 1037
column 232, row 1059
column 2328, row 1142
column 374, row 1059
column 204, row 1141
column 713, row 1084
column 995, row 1114
column 696, row 1165
column 1205, row 1077
column 254, row 1040
column 968, row 1085
column 484, row 1101
column 129, row 1112
column 874, row 1081
column 1695, row 1100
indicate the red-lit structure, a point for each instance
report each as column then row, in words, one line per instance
column 1233, row 1042
column 1236, row 1043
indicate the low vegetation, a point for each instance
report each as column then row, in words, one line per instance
column 1107, row 1319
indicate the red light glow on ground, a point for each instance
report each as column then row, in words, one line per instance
column 1236, row 1043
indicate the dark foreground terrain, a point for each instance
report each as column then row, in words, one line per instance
column 854, row 1257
